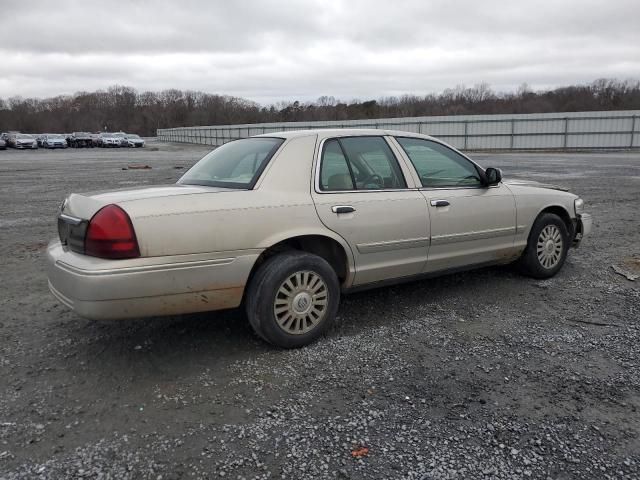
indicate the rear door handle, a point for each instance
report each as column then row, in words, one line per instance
column 439, row 203
column 342, row 209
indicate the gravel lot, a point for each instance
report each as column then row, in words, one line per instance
column 485, row 374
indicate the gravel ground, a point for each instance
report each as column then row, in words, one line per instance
column 484, row 374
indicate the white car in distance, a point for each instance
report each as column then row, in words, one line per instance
column 107, row 140
column 134, row 140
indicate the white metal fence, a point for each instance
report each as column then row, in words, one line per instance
column 564, row 131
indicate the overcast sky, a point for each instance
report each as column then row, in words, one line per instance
column 275, row 50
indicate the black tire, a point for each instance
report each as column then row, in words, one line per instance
column 265, row 292
column 532, row 262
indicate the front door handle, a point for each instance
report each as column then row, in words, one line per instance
column 439, row 203
column 342, row 209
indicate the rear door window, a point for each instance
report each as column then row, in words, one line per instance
column 359, row 163
column 335, row 173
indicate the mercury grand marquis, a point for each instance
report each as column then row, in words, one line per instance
column 283, row 223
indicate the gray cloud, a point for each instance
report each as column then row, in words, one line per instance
column 271, row 50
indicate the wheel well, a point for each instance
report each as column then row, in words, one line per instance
column 324, row 247
column 564, row 215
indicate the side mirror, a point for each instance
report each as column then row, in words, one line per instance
column 494, row 176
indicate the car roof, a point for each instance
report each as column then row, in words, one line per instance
column 342, row 132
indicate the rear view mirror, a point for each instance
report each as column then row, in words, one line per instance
column 494, row 175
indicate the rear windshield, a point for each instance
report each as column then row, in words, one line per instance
column 235, row 164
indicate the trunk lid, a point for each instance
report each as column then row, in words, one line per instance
column 78, row 208
column 85, row 205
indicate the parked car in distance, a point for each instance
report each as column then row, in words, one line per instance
column 134, row 140
column 283, row 223
column 80, row 140
column 40, row 138
column 95, row 137
column 108, row 140
column 22, row 141
column 53, row 140
column 4, row 138
column 9, row 138
column 122, row 137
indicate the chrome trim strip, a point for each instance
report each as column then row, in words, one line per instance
column 333, row 192
column 70, row 219
column 65, row 300
column 376, row 247
column 521, row 228
column 146, row 268
column 469, row 236
column 466, row 187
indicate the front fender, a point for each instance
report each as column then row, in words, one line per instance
column 532, row 201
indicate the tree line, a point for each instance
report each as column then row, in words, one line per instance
column 124, row 108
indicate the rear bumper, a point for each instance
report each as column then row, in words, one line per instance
column 584, row 224
column 154, row 286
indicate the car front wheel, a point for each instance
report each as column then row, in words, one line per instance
column 547, row 247
column 293, row 299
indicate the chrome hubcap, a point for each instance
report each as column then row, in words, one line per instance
column 549, row 247
column 301, row 302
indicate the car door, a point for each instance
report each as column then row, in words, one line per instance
column 363, row 193
column 471, row 223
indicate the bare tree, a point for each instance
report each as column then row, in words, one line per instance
column 123, row 108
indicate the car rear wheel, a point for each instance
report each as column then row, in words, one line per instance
column 293, row 299
column 547, row 247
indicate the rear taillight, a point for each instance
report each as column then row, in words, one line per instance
column 110, row 234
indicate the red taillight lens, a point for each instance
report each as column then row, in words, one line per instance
column 110, row 234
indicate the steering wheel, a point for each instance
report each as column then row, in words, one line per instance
column 468, row 177
column 373, row 178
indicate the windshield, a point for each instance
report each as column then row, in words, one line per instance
column 235, row 164
column 23, row 135
column 58, row 136
column 133, row 136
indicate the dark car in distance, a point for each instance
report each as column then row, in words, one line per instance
column 80, row 140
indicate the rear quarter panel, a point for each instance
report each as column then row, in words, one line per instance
column 279, row 207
